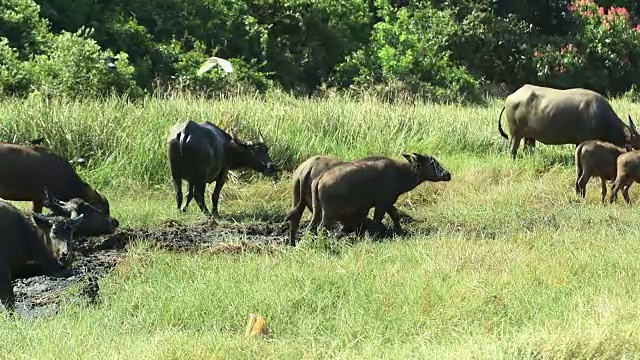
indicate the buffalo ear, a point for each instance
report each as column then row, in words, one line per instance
column 75, row 221
column 40, row 219
column 410, row 158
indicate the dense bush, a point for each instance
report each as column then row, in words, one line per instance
column 436, row 49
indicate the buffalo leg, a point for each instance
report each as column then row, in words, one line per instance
column 376, row 223
column 177, row 186
column 603, row 191
column 395, row 217
column 198, row 194
column 515, row 143
column 581, row 184
column 294, row 221
column 37, row 206
column 189, row 196
column 529, row 145
column 617, row 186
column 215, row 195
column 625, row 193
column 7, row 295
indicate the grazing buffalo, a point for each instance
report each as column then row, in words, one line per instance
column 596, row 158
column 627, row 172
column 302, row 177
column 352, row 189
column 556, row 117
column 95, row 221
column 45, row 246
column 25, row 171
column 202, row 153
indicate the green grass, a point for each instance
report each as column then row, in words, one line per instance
column 504, row 261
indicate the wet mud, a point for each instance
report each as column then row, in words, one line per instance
column 96, row 256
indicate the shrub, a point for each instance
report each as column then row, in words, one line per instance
column 74, row 65
column 411, row 47
column 604, row 55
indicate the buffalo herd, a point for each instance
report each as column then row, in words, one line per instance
column 332, row 189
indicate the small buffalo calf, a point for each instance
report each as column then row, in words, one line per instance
column 627, row 172
column 596, row 158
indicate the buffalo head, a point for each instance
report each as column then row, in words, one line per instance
column 254, row 155
column 633, row 136
column 427, row 168
column 58, row 232
column 96, row 222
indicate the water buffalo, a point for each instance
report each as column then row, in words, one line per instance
column 25, row 171
column 596, row 158
column 302, row 177
column 47, row 246
column 202, row 153
column 95, row 221
column 627, row 172
column 352, row 189
column 555, row 117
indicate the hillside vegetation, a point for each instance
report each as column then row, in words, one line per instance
column 503, row 261
column 440, row 50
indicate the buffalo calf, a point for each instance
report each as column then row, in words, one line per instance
column 596, row 158
column 352, row 189
column 47, row 245
column 627, row 172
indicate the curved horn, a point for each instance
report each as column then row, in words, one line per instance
column 75, row 221
column 631, row 124
column 261, row 138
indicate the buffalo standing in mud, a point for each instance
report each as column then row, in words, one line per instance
column 26, row 171
column 596, row 158
column 95, row 221
column 28, row 250
column 302, row 177
column 556, row 117
column 352, row 189
column 202, row 153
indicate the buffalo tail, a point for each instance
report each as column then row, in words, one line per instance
column 578, row 166
column 500, row 125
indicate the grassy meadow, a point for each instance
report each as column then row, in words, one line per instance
column 504, row 261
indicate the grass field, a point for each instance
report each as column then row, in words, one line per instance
column 504, row 261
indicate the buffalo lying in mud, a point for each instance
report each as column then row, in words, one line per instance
column 95, row 221
column 350, row 190
column 596, row 158
column 302, row 177
column 28, row 250
column 627, row 172
column 556, row 117
column 202, row 153
column 25, row 171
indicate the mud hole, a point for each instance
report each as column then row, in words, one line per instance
column 96, row 256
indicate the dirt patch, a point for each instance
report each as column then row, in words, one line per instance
column 96, row 256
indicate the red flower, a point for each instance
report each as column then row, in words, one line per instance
column 638, row 28
column 601, row 11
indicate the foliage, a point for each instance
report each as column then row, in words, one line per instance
column 440, row 50
column 604, row 55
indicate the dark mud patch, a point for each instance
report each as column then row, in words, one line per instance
column 96, row 256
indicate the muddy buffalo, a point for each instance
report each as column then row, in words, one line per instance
column 202, row 153
column 25, row 171
column 302, row 177
column 596, row 158
column 627, row 172
column 352, row 189
column 28, row 250
column 95, row 221
column 556, row 117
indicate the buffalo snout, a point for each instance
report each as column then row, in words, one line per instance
column 446, row 176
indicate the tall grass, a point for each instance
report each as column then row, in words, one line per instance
column 504, row 261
